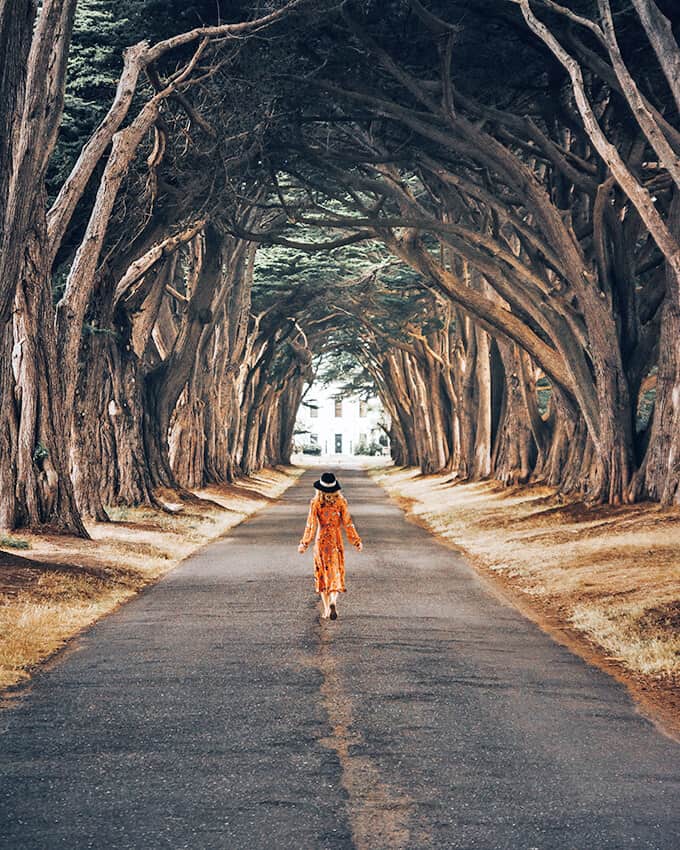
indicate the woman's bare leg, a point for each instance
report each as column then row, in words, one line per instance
column 326, row 605
column 333, row 602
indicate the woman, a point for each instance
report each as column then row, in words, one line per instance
column 328, row 510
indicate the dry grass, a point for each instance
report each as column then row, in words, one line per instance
column 63, row 584
column 612, row 574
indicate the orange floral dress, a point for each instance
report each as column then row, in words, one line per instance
column 329, row 553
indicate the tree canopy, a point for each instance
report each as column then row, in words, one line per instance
column 473, row 205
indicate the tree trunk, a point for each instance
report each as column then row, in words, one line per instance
column 514, row 450
column 659, row 475
column 187, row 441
column 128, row 476
column 34, row 476
column 44, row 494
column 482, row 448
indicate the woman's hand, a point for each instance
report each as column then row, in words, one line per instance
column 302, row 548
column 359, row 546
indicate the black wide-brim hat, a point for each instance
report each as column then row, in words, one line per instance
column 328, row 483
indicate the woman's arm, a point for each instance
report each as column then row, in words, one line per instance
column 310, row 528
column 350, row 530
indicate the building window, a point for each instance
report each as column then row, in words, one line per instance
column 313, row 412
column 362, row 408
column 314, row 439
column 338, row 408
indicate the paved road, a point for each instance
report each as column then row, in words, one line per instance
column 216, row 711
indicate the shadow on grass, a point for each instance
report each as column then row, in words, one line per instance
column 20, row 573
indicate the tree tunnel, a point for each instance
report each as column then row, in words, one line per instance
column 476, row 203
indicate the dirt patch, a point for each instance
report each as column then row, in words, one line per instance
column 661, row 618
column 59, row 585
column 603, row 580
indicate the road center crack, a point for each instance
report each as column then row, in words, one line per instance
column 378, row 813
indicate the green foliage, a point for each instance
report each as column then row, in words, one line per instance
column 158, row 19
column 59, row 278
column 309, row 449
column 13, row 543
column 645, row 406
column 333, row 293
column 95, row 330
column 103, row 29
column 341, row 366
column 100, row 34
column 544, row 393
column 40, row 453
column 370, row 449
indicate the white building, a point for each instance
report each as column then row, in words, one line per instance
column 337, row 425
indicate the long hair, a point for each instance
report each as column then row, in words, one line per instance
column 327, row 498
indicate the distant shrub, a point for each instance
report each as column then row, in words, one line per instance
column 14, row 543
column 368, row 449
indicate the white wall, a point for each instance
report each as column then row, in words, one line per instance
column 317, row 415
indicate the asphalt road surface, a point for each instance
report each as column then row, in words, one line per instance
column 216, row 711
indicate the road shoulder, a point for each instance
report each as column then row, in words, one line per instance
column 52, row 587
column 603, row 581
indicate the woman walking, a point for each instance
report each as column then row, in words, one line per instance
column 329, row 512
